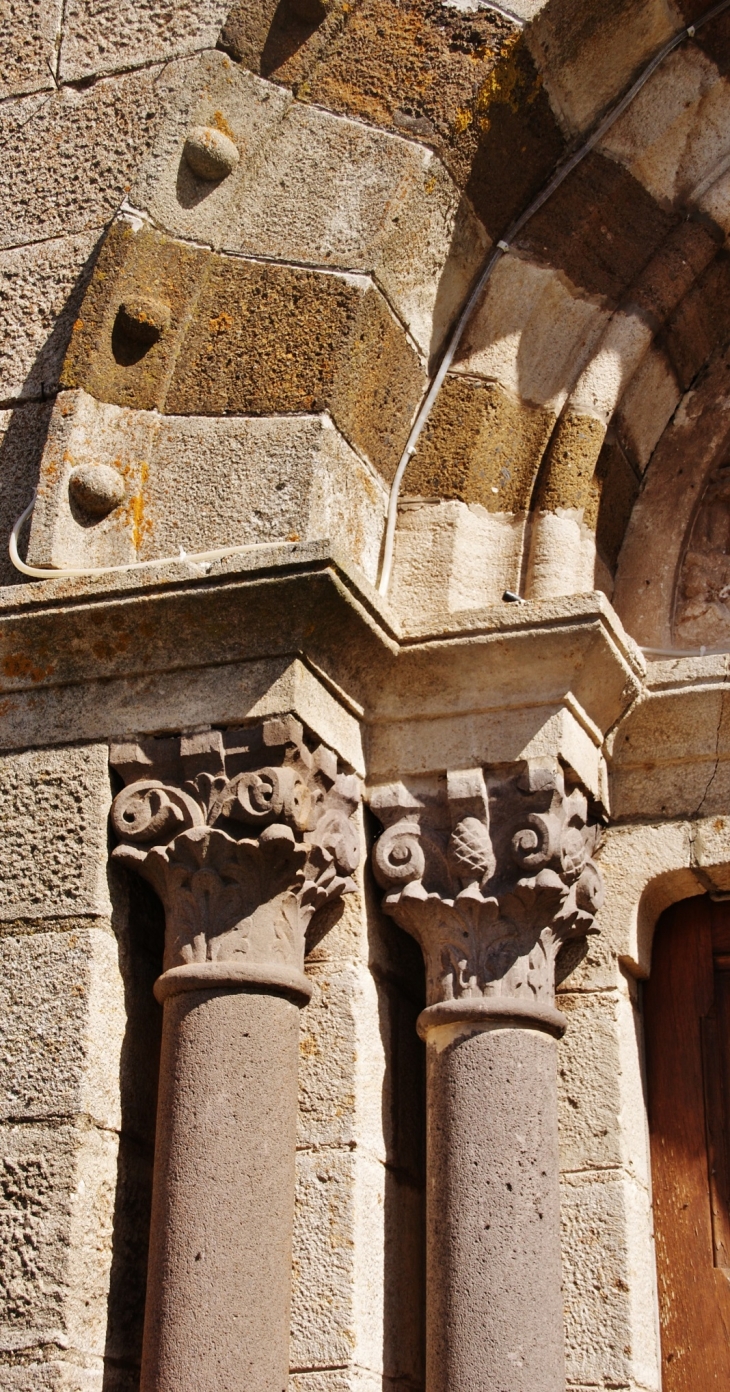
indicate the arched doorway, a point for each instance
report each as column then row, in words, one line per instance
column 687, row 1017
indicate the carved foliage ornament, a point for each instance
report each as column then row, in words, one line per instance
column 491, row 906
column 243, row 834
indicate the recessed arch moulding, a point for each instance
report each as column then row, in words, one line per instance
column 259, row 331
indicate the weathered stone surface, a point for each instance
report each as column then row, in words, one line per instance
column 599, row 1082
column 248, row 337
column 647, row 407
column 53, row 807
column 101, row 356
column 28, row 37
column 270, row 339
column 463, row 82
column 98, row 136
column 42, row 288
column 531, row 332
column 589, row 54
column 60, row 1046
column 453, row 556
column 22, row 437
column 609, row 1280
column 481, row 445
column 330, row 191
column 56, row 1201
column 600, row 228
column 699, row 324
column 199, row 483
column 101, row 38
column 218, row 95
column 333, row 1274
column 567, row 478
column 673, row 136
column 692, row 447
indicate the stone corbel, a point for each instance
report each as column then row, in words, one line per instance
column 492, row 876
column 244, row 834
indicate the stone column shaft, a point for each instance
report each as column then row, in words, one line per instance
column 236, row 912
column 217, row 1317
column 494, row 1295
column 491, row 882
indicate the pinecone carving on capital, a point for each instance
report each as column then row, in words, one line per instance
column 492, row 900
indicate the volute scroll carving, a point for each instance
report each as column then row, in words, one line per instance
column 491, row 882
column 244, row 834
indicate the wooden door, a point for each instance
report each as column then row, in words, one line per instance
column 687, row 1020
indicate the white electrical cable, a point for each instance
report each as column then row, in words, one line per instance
column 502, row 246
column 687, row 652
column 195, row 557
column 424, row 411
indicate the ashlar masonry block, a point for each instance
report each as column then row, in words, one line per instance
column 196, row 483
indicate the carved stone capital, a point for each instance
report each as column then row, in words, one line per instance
column 243, row 834
column 491, row 876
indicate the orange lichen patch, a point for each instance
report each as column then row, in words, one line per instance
column 141, row 525
column 221, row 124
column 510, row 83
column 19, row 665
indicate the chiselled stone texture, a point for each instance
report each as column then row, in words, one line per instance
column 198, row 482
column 99, row 38
column 28, row 45
column 53, row 805
column 237, row 906
column 490, row 884
column 246, row 337
column 464, row 83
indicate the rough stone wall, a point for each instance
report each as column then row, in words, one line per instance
column 83, row 89
column 592, row 371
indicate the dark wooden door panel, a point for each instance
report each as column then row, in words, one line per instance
column 687, row 1021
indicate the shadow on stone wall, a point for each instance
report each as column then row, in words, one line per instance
column 139, row 923
column 23, row 437
column 398, row 970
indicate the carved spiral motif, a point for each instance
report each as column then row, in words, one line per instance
column 534, row 844
column 336, row 834
column 149, row 811
column 398, row 857
column 273, row 792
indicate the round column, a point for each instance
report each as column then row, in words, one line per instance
column 217, row 1316
column 494, row 1295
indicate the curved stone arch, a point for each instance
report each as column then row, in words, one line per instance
column 689, row 452
column 631, row 352
column 229, row 243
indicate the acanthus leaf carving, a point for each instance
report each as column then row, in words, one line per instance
column 493, row 894
column 243, row 853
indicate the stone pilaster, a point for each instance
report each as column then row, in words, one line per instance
column 244, row 834
column 492, row 877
